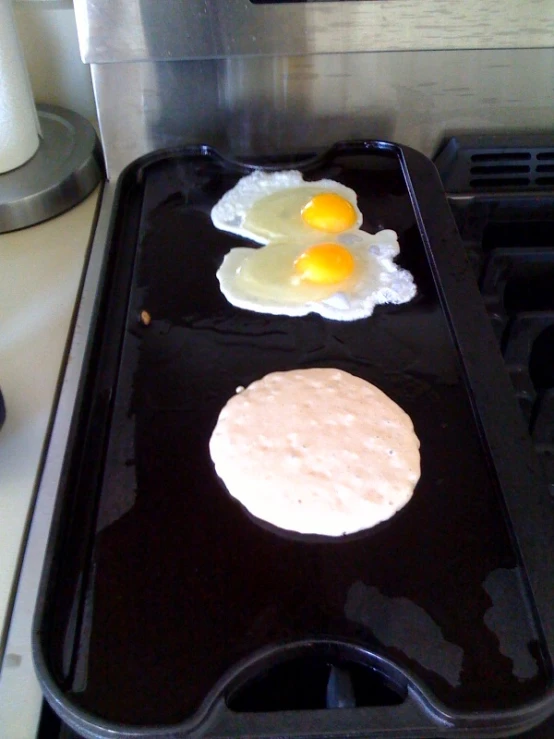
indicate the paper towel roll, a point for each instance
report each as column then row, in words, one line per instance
column 18, row 115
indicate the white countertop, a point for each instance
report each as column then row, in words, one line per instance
column 40, row 276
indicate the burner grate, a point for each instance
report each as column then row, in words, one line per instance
column 498, row 162
column 501, row 192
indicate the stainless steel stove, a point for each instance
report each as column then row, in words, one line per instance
column 273, row 80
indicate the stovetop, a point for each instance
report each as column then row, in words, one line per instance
column 501, row 192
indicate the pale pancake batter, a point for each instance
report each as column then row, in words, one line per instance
column 316, row 451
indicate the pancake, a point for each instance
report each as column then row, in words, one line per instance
column 316, row 451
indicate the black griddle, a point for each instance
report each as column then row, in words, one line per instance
column 166, row 610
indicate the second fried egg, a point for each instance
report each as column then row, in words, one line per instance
column 341, row 277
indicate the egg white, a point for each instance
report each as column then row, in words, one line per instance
column 265, row 206
column 377, row 279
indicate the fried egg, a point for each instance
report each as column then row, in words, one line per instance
column 269, row 206
column 342, row 277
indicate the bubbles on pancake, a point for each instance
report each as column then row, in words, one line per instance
column 308, row 479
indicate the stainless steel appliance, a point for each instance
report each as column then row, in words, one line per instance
column 280, row 76
column 259, row 80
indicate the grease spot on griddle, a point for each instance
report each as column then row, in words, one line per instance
column 504, row 587
column 399, row 623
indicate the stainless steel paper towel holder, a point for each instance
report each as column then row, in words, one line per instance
column 65, row 169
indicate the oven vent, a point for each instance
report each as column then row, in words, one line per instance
column 473, row 164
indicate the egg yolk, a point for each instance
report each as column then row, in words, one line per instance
column 325, row 264
column 329, row 212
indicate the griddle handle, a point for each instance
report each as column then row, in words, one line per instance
column 410, row 718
